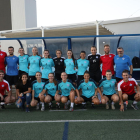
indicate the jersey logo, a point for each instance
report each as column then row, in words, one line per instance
column 90, row 57
column 58, row 63
column 46, row 63
column 109, row 55
column 37, row 58
column 61, row 60
column 81, row 64
column 90, row 84
column 48, row 60
column 39, row 88
column 55, row 60
column 69, row 64
column 1, row 54
column 42, row 85
column 68, row 85
column 124, row 86
column 117, row 58
column 96, row 56
column 2, row 85
column 34, row 61
column 23, row 57
column 123, row 58
column 130, row 85
column 85, row 62
column 13, row 58
column 113, row 82
column 94, row 60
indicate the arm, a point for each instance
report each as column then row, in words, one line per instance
column 137, row 87
column 17, row 93
column 98, row 90
column 121, row 101
column 29, row 90
column 43, row 92
column 33, row 94
column 131, row 70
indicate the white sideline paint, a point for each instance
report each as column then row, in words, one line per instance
column 68, row 110
column 59, row 121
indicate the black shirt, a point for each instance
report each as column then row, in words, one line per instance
column 23, row 88
column 59, row 64
column 94, row 61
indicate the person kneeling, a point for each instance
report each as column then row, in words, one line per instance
column 127, row 92
column 23, row 91
column 37, row 95
column 109, row 93
column 88, row 87
column 68, row 92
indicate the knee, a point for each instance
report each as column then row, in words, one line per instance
column 103, row 101
column 72, row 93
column 28, row 95
column 76, row 102
column 57, row 98
column 32, row 103
column 41, row 97
column 115, row 98
column 96, row 101
column 137, row 97
column 47, row 100
column 125, row 97
column 63, row 100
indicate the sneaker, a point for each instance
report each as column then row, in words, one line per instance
column 92, row 105
column 71, row 109
column 112, row 106
column 107, row 106
column 65, row 106
column 27, row 109
column 135, row 106
column 37, row 107
column 83, row 106
column 57, row 106
column 125, row 106
column 42, row 108
column 2, row 107
column 50, row 106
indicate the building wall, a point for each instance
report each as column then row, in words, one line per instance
column 5, row 15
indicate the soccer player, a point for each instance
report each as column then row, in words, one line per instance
column 34, row 62
column 88, row 88
column 59, row 64
column 50, row 87
column 94, row 67
column 107, row 61
column 47, row 64
column 37, row 95
column 23, row 91
column 70, row 66
column 12, row 62
column 4, row 86
column 82, row 65
column 3, row 54
column 23, row 62
column 122, row 63
column 127, row 92
column 67, row 92
column 109, row 93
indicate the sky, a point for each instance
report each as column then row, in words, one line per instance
column 63, row 12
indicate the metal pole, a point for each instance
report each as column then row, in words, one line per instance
column 97, row 33
column 42, row 29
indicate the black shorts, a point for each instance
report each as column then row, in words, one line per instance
column 45, row 80
column 58, row 76
column 37, row 98
column 20, row 73
column 96, row 77
column 31, row 78
column 51, row 97
column 80, row 77
column 12, row 80
column 131, row 97
column 118, row 79
column 72, row 77
column 109, row 96
column 87, row 99
column 4, row 96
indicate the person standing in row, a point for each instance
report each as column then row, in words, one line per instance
column 34, row 64
column 59, row 64
column 12, row 62
column 47, row 64
column 107, row 61
column 23, row 62
column 70, row 66
column 82, row 65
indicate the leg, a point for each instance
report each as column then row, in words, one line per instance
column 34, row 103
column 125, row 97
column 19, row 105
column 9, row 99
column 42, row 97
column 64, row 99
column 57, row 98
column 137, row 97
column 48, row 99
column 96, row 101
column 115, row 98
column 28, row 99
column 72, row 98
column 104, row 99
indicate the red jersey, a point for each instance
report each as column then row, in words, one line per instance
column 3, row 54
column 127, row 87
column 107, row 63
column 4, row 85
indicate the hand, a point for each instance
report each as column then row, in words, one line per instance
column 94, row 97
column 21, row 94
column 130, row 76
column 122, row 108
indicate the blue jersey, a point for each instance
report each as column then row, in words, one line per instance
column 65, row 87
column 122, row 63
column 34, row 62
column 108, row 86
column 37, row 87
column 23, row 63
column 88, row 89
column 12, row 65
column 69, row 66
column 50, row 88
column 82, row 65
column 47, row 64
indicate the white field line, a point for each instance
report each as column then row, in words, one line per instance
column 68, row 110
column 60, row 121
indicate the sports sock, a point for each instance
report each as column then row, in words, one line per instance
column 58, row 103
column 50, row 103
column 42, row 103
column 112, row 103
column 37, row 103
column 135, row 102
column 106, row 103
column 92, row 103
column 72, row 104
column 83, row 103
column 124, row 102
column 68, row 102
